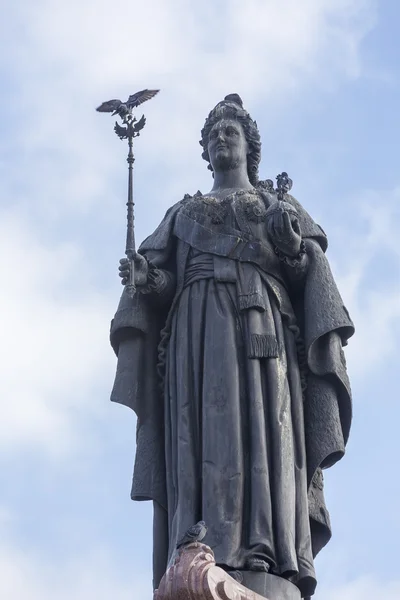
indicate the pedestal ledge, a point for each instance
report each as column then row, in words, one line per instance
column 195, row 576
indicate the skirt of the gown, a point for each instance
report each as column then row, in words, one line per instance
column 235, row 450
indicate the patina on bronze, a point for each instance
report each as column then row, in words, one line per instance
column 230, row 353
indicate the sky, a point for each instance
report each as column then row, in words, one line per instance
column 322, row 79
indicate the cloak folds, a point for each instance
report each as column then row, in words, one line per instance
column 325, row 326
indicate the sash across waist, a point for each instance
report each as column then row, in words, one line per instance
column 235, row 244
column 199, row 266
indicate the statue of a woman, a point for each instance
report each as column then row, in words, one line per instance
column 230, row 353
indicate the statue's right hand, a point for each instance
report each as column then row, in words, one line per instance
column 124, row 270
column 140, row 270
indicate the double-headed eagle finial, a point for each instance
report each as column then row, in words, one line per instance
column 124, row 110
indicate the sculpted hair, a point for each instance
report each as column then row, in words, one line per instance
column 232, row 108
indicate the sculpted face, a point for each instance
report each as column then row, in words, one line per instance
column 227, row 145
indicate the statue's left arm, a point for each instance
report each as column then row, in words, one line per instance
column 326, row 326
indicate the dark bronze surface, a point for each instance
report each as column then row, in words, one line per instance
column 230, row 353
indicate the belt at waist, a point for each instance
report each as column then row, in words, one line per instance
column 199, row 267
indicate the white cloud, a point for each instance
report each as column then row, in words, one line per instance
column 61, row 158
column 54, row 331
column 93, row 574
column 363, row 258
column 92, row 46
column 58, row 157
column 86, row 52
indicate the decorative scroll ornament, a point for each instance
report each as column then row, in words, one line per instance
column 195, row 576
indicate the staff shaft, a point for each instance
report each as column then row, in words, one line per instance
column 130, row 250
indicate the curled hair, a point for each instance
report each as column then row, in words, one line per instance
column 232, row 108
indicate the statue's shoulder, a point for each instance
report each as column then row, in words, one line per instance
column 174, row 209
column 160, row 238
column 187, row 198
column 296, row 204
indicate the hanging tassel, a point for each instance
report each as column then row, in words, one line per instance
column 254, row 300
column 263, row 346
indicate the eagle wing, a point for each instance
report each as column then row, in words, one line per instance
column 140, row 124
column 122, row 132
column 109, row 106
column 140, row 97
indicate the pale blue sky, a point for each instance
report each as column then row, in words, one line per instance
column 322, row 79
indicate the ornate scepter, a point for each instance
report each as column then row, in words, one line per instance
column 283, row 185
column 131, row 128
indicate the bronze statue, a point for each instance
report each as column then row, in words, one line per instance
column 230, row 353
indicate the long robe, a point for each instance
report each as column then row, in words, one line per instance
column 255, row 398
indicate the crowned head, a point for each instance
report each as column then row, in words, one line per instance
column 230, row 135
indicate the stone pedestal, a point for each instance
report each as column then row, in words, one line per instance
column 195, row 576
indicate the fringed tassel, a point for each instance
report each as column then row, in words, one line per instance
column 255, row 300
column 263, row 346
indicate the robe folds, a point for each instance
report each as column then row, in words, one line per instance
column 238, row 379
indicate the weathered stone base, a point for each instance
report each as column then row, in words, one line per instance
column 195, row 576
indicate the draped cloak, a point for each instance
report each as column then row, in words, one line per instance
column 141, row 331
